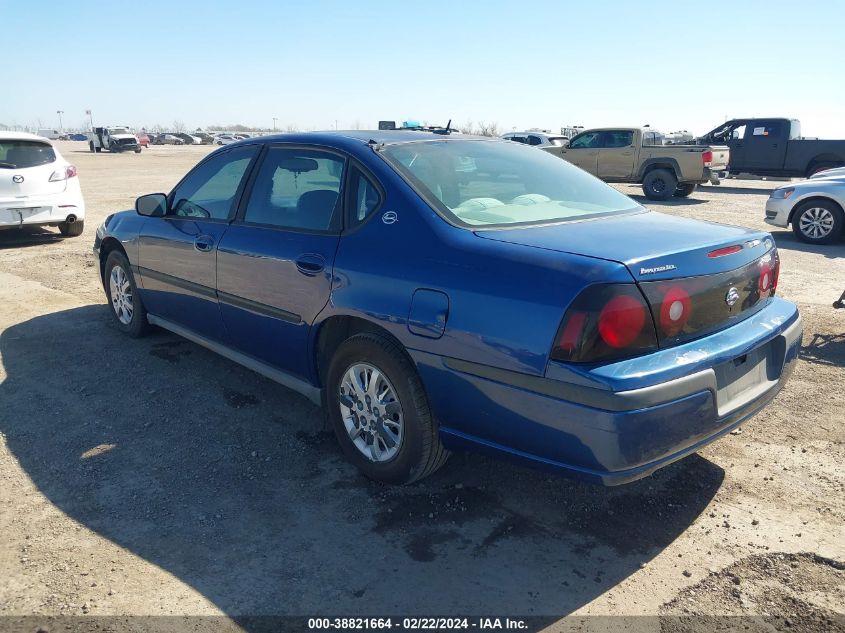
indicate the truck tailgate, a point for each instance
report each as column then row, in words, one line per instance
column 721, row 154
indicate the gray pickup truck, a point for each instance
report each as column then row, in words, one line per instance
column 639, row 155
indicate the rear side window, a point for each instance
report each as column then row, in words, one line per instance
column 364, row 196
column 209, row 190
column 617, row 138
column 296, row 189
column 17, row 154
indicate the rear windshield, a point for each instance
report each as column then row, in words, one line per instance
column 478, row 183
column 16, row 154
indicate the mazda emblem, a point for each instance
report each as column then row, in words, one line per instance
column 18, row 179
column 732, row 297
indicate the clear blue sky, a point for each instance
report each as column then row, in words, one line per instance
column 675, row 65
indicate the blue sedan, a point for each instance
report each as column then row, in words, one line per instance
column 436, row 292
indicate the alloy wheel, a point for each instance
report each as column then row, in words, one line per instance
column 121, row 295
column 816, row 222
column 371, row 412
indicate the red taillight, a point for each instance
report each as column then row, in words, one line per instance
column 621, row 321
column 571, row 332
column 605, row 322
column 707, row 157
column 71, row 171
column 769, row 272
column 675, row 310
column 727, row 250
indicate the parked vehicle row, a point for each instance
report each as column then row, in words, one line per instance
column 619, row 344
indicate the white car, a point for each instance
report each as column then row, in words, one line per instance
column 532, row 137
column 38, row 186
column 836, row 172
column 224, row 139
column 813, row 207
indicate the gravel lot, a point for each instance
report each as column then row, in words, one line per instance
column 152, row 477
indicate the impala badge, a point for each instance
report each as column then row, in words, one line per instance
column 732, row 297
column 17, row 178
column 390, row 217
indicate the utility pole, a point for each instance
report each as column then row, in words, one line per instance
column 60, row 113
column 274, row 123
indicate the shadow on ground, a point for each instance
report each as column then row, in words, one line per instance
column 231, row 483
column 786, row 240
column 671, row 202
column 29, row 236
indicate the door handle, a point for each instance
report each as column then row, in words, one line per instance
column 310, row 264
column 204, row 243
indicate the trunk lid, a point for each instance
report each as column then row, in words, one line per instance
column 652, row 245
column 697, row 277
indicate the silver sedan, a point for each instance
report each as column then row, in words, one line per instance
column 813, row 207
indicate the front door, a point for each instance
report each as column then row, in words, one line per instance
column 177, row 253
column 274, row 264
column 616, row 155
column 765, row 144
column 583, row 151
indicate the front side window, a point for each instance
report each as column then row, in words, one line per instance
column 477, row 183
column 296, row 189
column 588, row 139
column 209, row 190
column 18, row 154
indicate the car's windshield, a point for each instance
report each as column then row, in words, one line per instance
column 487, row 183
column 17, row 154
column 118, row 130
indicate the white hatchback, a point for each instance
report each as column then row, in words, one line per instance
column 38, row 186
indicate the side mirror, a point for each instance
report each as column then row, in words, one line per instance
column 152, row 205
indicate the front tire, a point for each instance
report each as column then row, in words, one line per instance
column 659, row 184
column 818, row 222
column 125, row 302
column 380, row 412
column 72, row 229
column 684, row 190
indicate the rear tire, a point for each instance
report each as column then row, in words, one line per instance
column 820, row 167
column 408, row 424
column 138, row 151
column 684, row 190
column 818, row 222
column 124, row 301
column 72, row 229
column 659, row 184
column 91, row 147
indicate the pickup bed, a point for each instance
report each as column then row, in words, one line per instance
column 638, row 155
column 774, row 147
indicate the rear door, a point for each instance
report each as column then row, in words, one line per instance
column 616, row 155
column 274, row 265
column 177, row 253
column 583, row 151
column 765, row 144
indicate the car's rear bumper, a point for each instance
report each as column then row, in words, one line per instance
column 611, row 435
column 35, row 211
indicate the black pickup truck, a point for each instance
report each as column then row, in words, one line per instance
column 774, row 147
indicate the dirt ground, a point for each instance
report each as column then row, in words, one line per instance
column 151, row 477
